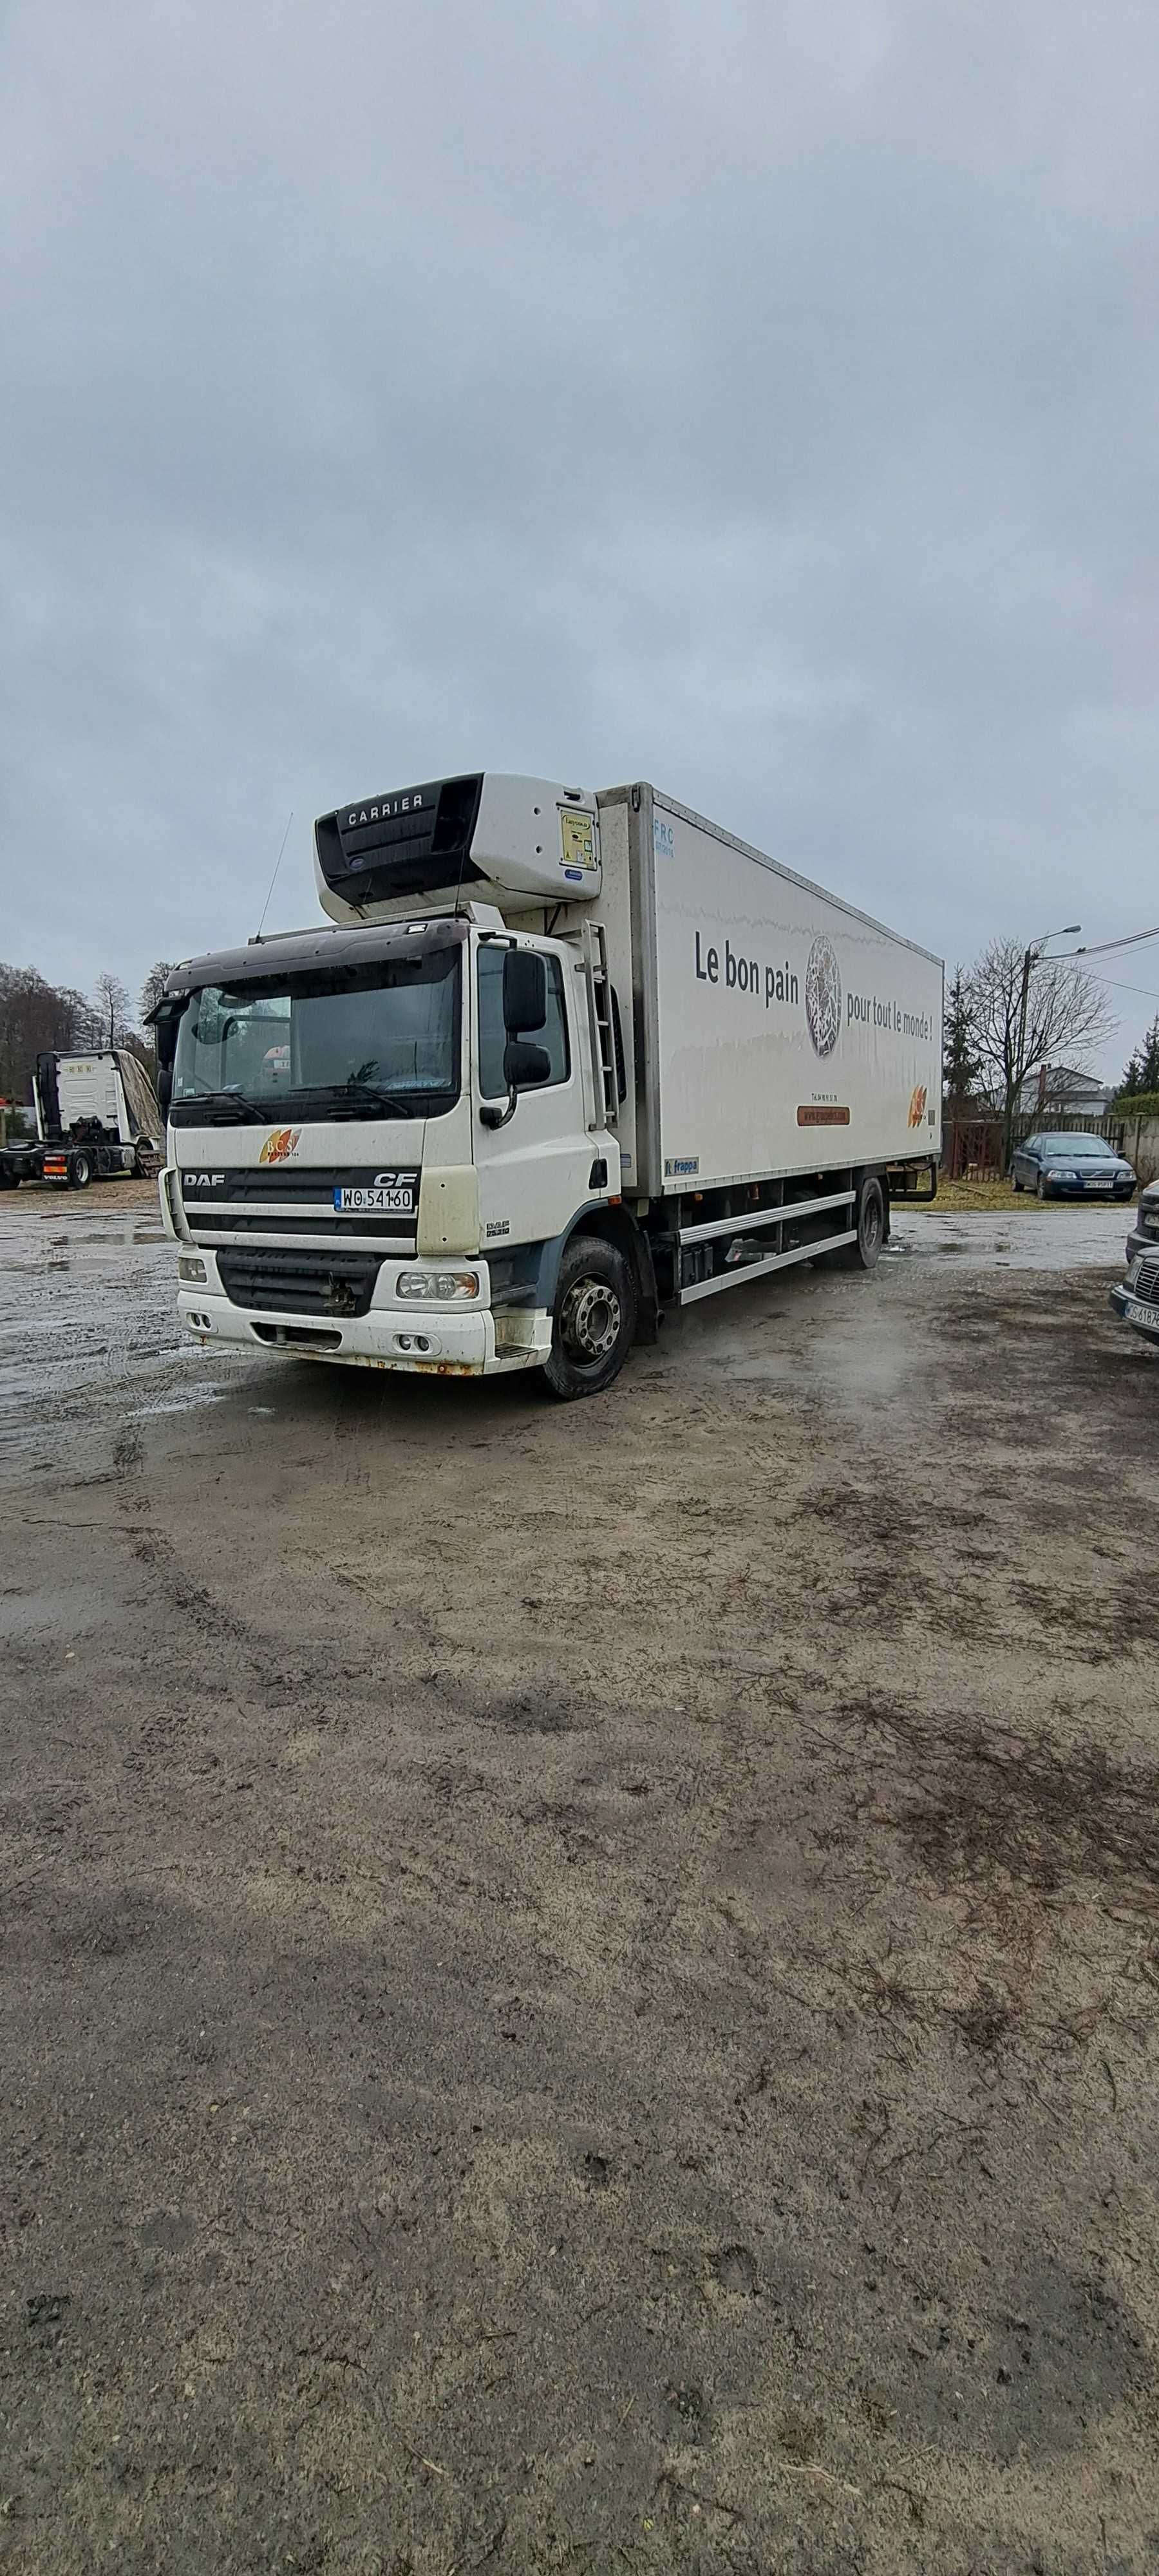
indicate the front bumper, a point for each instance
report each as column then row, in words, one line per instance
column 437, row 1341
column 1117, row 1196
column 1136, row 1312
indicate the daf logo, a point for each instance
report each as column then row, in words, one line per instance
column 203, row 1180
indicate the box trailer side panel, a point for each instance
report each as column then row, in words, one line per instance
column 791, row 1032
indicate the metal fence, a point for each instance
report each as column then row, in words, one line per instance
column 973, row 1142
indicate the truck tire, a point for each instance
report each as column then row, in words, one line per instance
column 866, row 1252
column 80, row 1168
column 593, row 1323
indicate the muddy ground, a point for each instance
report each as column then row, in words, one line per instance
column 579, row 1986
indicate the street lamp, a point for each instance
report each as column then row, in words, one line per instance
column 1070, row 930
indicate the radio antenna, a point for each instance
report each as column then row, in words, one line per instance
column 274, row 878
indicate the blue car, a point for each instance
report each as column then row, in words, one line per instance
column 1072, row 1167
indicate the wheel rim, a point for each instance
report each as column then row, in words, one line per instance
column 871, row 1226
column 589, row 1321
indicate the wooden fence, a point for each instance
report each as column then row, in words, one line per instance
column 972, row 1142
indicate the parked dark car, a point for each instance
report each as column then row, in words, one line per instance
column 1137, row 1300
column 1144, row 1234
column 1071, row 1167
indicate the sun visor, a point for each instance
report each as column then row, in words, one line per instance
column 523, row 842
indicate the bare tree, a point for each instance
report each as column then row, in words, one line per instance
column 1024, row 1015
column 154, row 985
column 111, row 1009
column 34, row 1016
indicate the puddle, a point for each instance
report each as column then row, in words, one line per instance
column 55, row 1610
column 190, row 1403
column 1063, row 1238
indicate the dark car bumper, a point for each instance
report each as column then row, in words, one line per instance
column 1142, row 1317
column 1117, row 1196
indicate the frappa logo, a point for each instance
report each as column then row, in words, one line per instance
column 280, row 1144
column 823, row 996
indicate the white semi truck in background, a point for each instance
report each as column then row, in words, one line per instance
column 97, row 1117
column 560, row 1060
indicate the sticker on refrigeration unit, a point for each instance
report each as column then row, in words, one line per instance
column 681, row 1167
column 577, row 840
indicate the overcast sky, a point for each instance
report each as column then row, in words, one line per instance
column 760, row 399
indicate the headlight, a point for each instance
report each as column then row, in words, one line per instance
column 194, row 1271
column 1133, row 1272
column 438, row 1287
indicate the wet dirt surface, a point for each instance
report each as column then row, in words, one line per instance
column 579, row 1985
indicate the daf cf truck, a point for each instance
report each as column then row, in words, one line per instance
column 558, row 1061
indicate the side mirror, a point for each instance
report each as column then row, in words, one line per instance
column 525, row 1064
column 524, row 992
column 165, row 1020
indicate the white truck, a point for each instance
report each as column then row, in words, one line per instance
column 560, row 1060
column 97, row 1116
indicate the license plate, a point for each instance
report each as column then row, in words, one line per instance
column 377, row 1199
column 1135, row 1313
column 1100, row 1185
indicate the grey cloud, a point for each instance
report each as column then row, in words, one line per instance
column 760, row 401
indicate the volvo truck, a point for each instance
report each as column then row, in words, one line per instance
column 558, row 1062
column 97, row 1117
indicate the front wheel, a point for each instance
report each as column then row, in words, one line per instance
column 1041, row 1190
column 1017, row 1185
column 593, row 1321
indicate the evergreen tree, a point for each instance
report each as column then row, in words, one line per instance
column 1142, row 1073
column 1149, row 1068
column 960, row 1063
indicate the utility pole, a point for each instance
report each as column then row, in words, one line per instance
column 1030, row 959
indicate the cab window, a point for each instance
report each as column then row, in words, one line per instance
column 493, row 1036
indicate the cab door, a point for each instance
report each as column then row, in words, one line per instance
column 535, row 1171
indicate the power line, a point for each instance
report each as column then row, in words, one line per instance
column 1143, row 989
column 1103, row 947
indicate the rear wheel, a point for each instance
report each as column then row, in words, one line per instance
column 866, row 1252
column 594, row 1319
column 80, row 1170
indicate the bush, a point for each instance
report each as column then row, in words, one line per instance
column 1137, row 1104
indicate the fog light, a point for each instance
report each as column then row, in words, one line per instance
column 437, row 1287
column 194, row 1271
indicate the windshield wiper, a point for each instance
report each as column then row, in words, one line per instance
column 355, row 1090
column 229, row 1106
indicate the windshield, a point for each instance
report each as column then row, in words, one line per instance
column 373, row 1041
column 1083, row 1144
